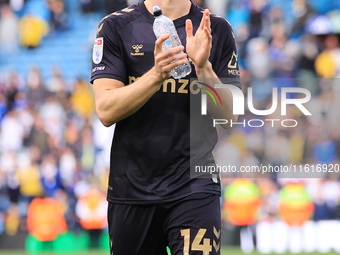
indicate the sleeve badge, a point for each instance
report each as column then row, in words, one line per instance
column 97, row 54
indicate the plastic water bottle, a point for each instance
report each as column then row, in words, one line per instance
column 163, row 25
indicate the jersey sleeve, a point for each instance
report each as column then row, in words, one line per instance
column 107, row 55
column 227, row 69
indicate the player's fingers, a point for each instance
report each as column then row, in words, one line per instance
column 208, row 15
column 202, row 21
column 174, row 50
column 208, row 34
column 169, row 67
column 159, row 42
column 189, row 28
column 172, row 58
column 164, row 55
column 207, row 26
column 207, row 20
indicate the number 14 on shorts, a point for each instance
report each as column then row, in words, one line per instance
column 200, row 243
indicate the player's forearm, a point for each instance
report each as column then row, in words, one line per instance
column 224, row 111
column 119, row 103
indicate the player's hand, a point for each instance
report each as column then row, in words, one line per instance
column 199, row 45
column 164, row 60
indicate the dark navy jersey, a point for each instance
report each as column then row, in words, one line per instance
column 150, row 155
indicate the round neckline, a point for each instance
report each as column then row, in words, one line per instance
column 177, row 22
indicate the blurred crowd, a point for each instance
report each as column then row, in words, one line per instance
column 53, row 145
column 279, row 49
column 26, row 23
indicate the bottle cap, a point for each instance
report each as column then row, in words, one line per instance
column 157, row 11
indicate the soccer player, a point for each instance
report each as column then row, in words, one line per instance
column 153, row 202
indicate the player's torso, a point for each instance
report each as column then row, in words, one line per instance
column 138, row 41
column 150, row 155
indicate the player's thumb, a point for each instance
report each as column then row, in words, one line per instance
column 159, row 42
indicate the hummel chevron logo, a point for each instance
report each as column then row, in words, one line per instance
column 127, row 10
column 217, row 233
column 216, row 246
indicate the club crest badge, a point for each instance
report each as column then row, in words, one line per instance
column 97, row 54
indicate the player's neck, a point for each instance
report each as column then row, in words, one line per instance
column 173, row 9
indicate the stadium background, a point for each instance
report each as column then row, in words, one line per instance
column 53, row 145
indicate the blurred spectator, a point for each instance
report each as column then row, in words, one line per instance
column 72, row 139
column 256, row 10
column 9, row 24
column 50, row 178
column 59, row 18
column 91, row 210
column 101, row 135
column 45, row 219
column 331, row 194
column 277, row 50
column 37, row 92
column 295, row 204
column 38, row 136
column 322, row 212
column 218, row 7
column 336, row 138
column 88, row 6
column 29, row 177
column 274, row 21
column 278, row 155
column 327, row 63
column 3, row 2
column 12, row 220
column 306, row 65
column 3, row 106
column 324, row 150
column 8, row 163
column 12, row 132
column 258, row 58
column 67, row 167
column 241, row 202
column 56, row 83
column 2, row 222
column 88, row 152
column 12, row 87
column 32, row 30
column 54, row 117
column 302, row 11
column 17, row 5
column 82, row 99
column 115, row 5
column 297, row 143
column 269, row 198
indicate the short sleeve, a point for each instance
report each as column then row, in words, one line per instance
column 107, row 54
column 227, row 68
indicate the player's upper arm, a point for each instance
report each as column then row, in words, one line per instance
column 103, row 89
column 108, row 59
column 108, row 69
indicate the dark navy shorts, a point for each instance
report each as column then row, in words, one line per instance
column 189, row 226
